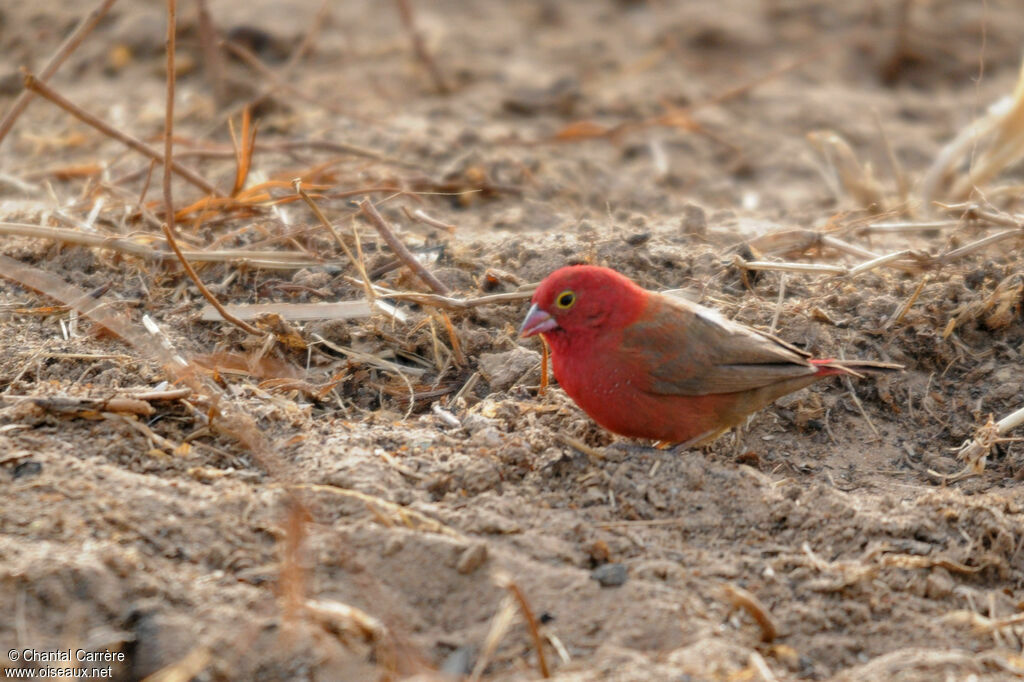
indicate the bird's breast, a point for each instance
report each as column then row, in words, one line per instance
column 614, row 389
column 605, row 385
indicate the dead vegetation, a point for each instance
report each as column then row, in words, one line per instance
column 287, row 430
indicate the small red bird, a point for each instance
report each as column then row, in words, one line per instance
column 647, row 365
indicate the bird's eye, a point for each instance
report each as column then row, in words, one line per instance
column 565, row 299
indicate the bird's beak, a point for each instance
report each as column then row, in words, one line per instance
column 537, row 322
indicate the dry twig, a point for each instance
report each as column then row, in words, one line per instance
column 531, row 621
column 213, row 60
column 420, row 47
column 421, row 216
column 70, row 44
column 741, row 598
column 901, row 260
column 370, row 211
column 35, row 85
column 269, row 75
column 500, row 623
column 283, row 260
column 448, row 302
column 358, row 263
column 168, row 226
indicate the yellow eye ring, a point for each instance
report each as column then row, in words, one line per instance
column 566, row 299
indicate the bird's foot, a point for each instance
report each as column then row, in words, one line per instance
column 632, row 449
column 702, row 442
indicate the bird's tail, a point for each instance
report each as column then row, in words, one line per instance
column 855, row 368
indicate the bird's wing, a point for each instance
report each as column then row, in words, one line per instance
column 687, row 349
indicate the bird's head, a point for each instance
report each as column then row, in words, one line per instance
column 581, row 301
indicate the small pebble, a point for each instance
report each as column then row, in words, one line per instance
column 939, row 584
column 472, row 558
column 610, row 575
column 459, row 662
column 694, row 220
column 27, row 468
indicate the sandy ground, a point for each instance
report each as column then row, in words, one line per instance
column 293, row 516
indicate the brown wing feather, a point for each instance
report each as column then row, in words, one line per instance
column 692, row 350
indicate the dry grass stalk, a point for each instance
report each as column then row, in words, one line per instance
column 291, row 580
column 545, row 362
column 975, row 451
column 966, row 250
column 70, row 44
column 370, row 211
column 420, row 215
column 168, row 226
column 980, row 623
column 906, row 260
column 272, row 260
column 448, row 302
column 346, row 622
column 917, row 561
column 457, row 355
column 173, row 394
column 915, row 226
column 987, row 214
column 874, row 263
column 778, row 304
column 819, row 268
column 531, row 620
column 207, row 294
column 847, row 173
column 420, row 47
column 35, row 85
column 271, row 76
column 213, row 60
column 343, row 310
column 217, row 151
column 358, row 263
column 159, row 441
column 1004, row 150
column 895, row 167
column 860, row 406
column 172, row 30
column 445, row 416
column 245, row 145
column 500, row 624
column 846, row 247
column 902, row 311
column 1003, row 124
column 844, row 572
column 578, row 445
column 361, row 265
column 88, row 406
column 787, row 241
column 740, row 598
column 470, row 384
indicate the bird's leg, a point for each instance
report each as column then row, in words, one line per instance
column 737, row 443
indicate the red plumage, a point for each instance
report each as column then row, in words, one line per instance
column 647, row 365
